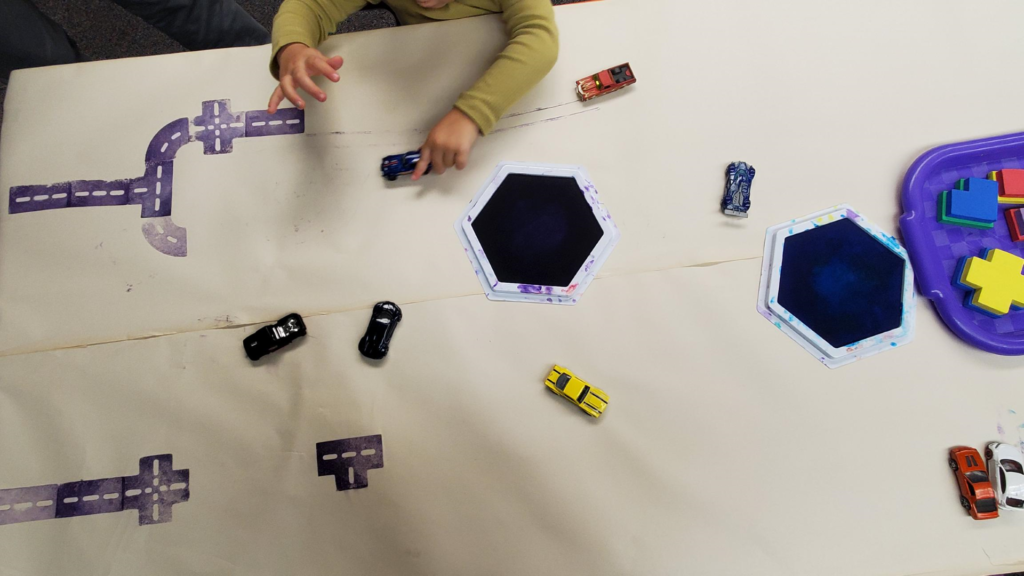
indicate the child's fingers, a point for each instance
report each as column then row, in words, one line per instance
column 449, row 158
column 421, row 166
column 439, row 166
column 307, row 84
column 321, row 66
column 275, row 100
column 335, row 62
column 461, row 159
column 288, row 87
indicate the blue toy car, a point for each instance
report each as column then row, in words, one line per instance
column 391, row 167
column 738, row 178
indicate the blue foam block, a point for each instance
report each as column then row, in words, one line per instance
column 974, row 199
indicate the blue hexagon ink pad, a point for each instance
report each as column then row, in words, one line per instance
column 837, row 285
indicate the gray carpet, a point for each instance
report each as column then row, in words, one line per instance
column 104, row 30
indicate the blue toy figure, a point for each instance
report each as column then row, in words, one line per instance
column 738, row 178
column 391, row 167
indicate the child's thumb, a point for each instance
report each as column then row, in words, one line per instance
column 335, row 62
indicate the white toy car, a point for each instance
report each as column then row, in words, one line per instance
column 1006, row 471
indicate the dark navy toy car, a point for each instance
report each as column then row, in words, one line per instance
column 391, row 167
column 738, row 178
column 274, row 337
column 375, row 343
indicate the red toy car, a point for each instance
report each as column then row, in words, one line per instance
column 605, row 82
column 976, row 493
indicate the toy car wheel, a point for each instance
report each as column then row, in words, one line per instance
column 965, row 503
column 952, row 464
column 392, row 177
column 988, row 453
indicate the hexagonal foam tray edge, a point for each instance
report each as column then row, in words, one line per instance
column 771, row 266
column 563, row 295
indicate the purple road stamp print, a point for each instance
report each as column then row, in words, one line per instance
column 166, row 236
column 349, row 460
column 164, row 145
column 216, row 128
column 285, row 121
column 153, row 492
column 156, row 488
column 28, row 504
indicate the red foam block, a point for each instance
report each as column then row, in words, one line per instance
column 1015, row 222
column 1012, row 183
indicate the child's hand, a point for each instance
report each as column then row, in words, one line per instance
column 298, row 64
column 448, row 144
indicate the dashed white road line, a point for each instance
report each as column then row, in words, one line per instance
column 93, row 497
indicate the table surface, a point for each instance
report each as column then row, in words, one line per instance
column 726, row 448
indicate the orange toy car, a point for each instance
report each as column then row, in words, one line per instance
column 976, row 493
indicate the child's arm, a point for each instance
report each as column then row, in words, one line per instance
column 530, row 54
column 300, row 26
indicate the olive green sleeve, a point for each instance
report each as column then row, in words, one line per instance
column 530, row 54
column 308, row 22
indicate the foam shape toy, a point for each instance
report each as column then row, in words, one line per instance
column 1015, row 223
column 945, row 218
column 1011, row 185
column 974, row 199
column 994, row 282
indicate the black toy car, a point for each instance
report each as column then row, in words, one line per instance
column 374, row 344
column 274, row 337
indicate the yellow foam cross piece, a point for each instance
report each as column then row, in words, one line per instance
column 996, row 281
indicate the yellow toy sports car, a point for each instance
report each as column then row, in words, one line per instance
column 591, row 400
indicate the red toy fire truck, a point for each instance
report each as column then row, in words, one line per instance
column 605, row 82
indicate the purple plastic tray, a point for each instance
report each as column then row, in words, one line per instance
column 936, row 248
